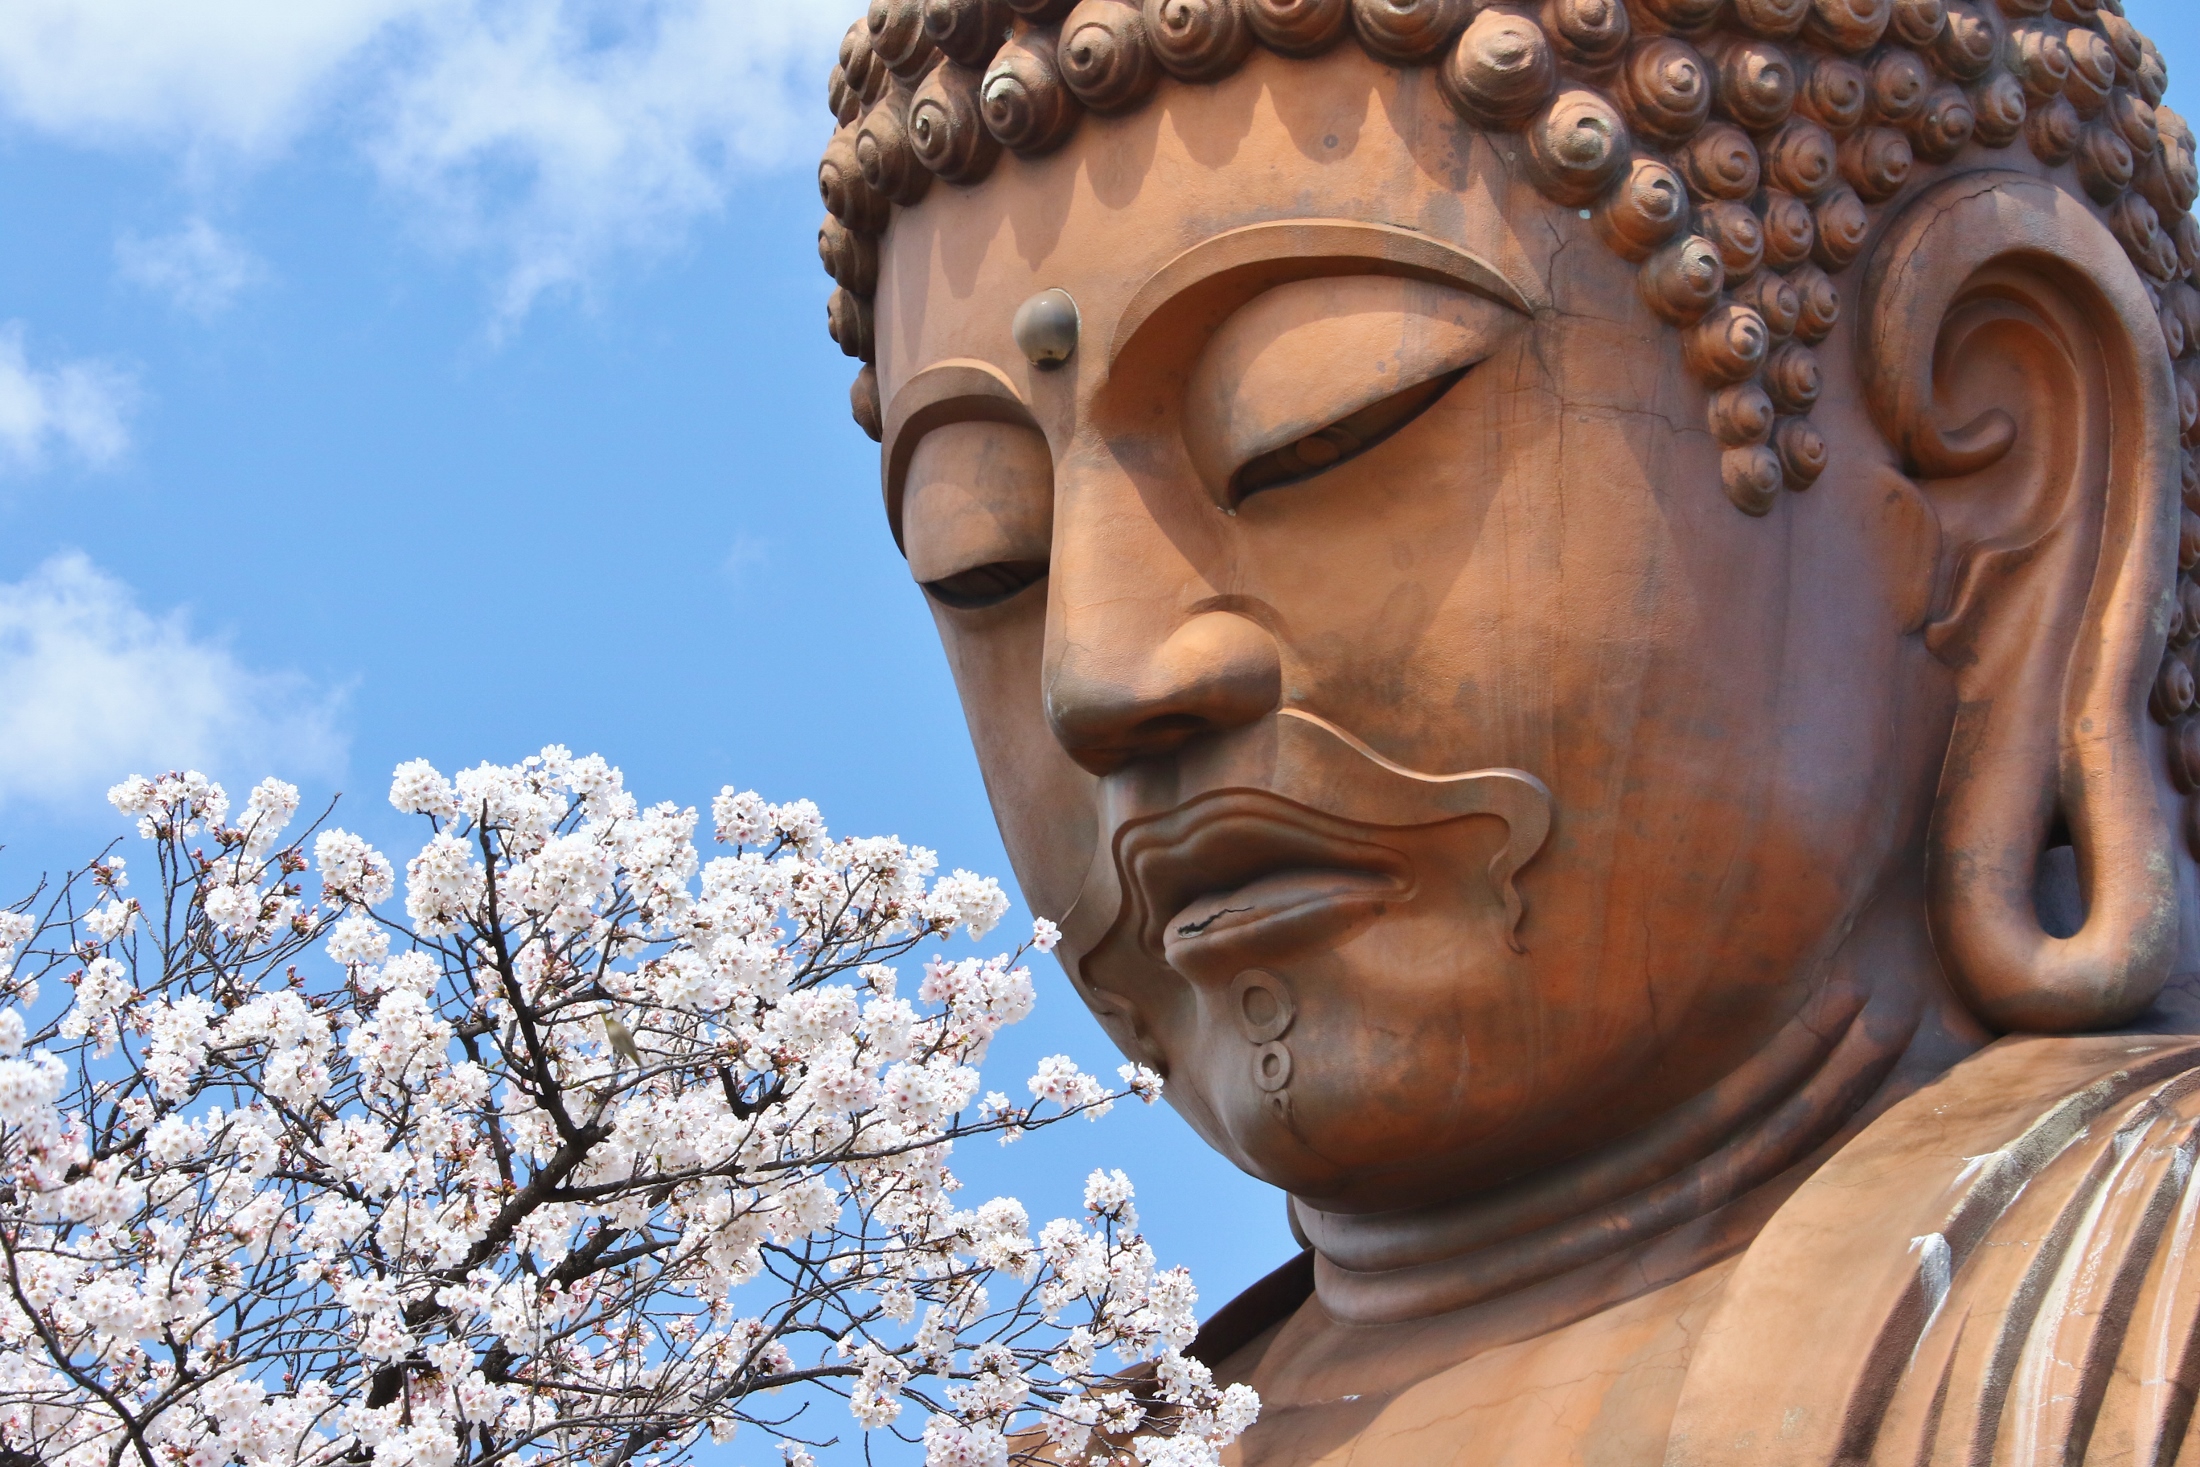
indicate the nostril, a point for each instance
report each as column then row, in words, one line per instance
column 1215, row 672
column 1167, row 730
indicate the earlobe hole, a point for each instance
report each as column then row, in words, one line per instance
column 2057, row 896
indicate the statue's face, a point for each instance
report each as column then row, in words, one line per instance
column 1311, row 515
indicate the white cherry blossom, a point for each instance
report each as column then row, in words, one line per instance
column 592, row 1150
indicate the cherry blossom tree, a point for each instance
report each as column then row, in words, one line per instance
column 586, row 1151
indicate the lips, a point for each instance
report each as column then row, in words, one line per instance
column 1266, row 841
column 1244, row 874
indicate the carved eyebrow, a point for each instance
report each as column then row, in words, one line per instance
column 1233, row 267
column 1230, row 269
column 960, row 390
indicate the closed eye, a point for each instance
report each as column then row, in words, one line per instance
column 1346, row 438
column 986, row 585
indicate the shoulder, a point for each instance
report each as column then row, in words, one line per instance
column 1229, row 1342
column 1999, row 1268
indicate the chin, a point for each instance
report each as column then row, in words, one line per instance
column 1359, row 1071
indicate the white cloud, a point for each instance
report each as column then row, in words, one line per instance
column 200, row 269
column 241, row 75
column 93, row 689
column 529, row 129
column 544, row 135
column 744, row 557
column 81, row 406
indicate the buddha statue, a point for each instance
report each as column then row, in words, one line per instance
column 1580, row 608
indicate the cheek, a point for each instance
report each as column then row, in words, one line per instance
column 1416, row 1056
column 1530, row 578
column 1503, row 575
column 1045, row 805
column 1375, row 568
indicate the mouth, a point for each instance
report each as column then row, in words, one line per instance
column 1257, row 844
column 1244, row 874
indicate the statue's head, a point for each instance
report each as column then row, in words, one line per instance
column 1500, row 557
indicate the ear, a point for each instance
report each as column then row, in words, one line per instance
column 2013, row 357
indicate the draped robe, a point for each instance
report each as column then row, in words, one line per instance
column 2003, row 1268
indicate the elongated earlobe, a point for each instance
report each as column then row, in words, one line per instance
column 2061, row 508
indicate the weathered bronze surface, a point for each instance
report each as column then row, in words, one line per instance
column 1580, row 616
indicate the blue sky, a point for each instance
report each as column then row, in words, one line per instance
column 396, row 378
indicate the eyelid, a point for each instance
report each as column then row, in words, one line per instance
column 1310, row 355
column 979, row 495
column 1341, row 441
column 985, row 586
column 959, row 390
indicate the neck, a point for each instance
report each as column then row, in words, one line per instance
column 1762, row 1128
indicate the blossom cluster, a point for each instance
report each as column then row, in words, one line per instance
column 564, row 1144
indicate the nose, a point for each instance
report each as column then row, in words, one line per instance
column 1109, row 705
